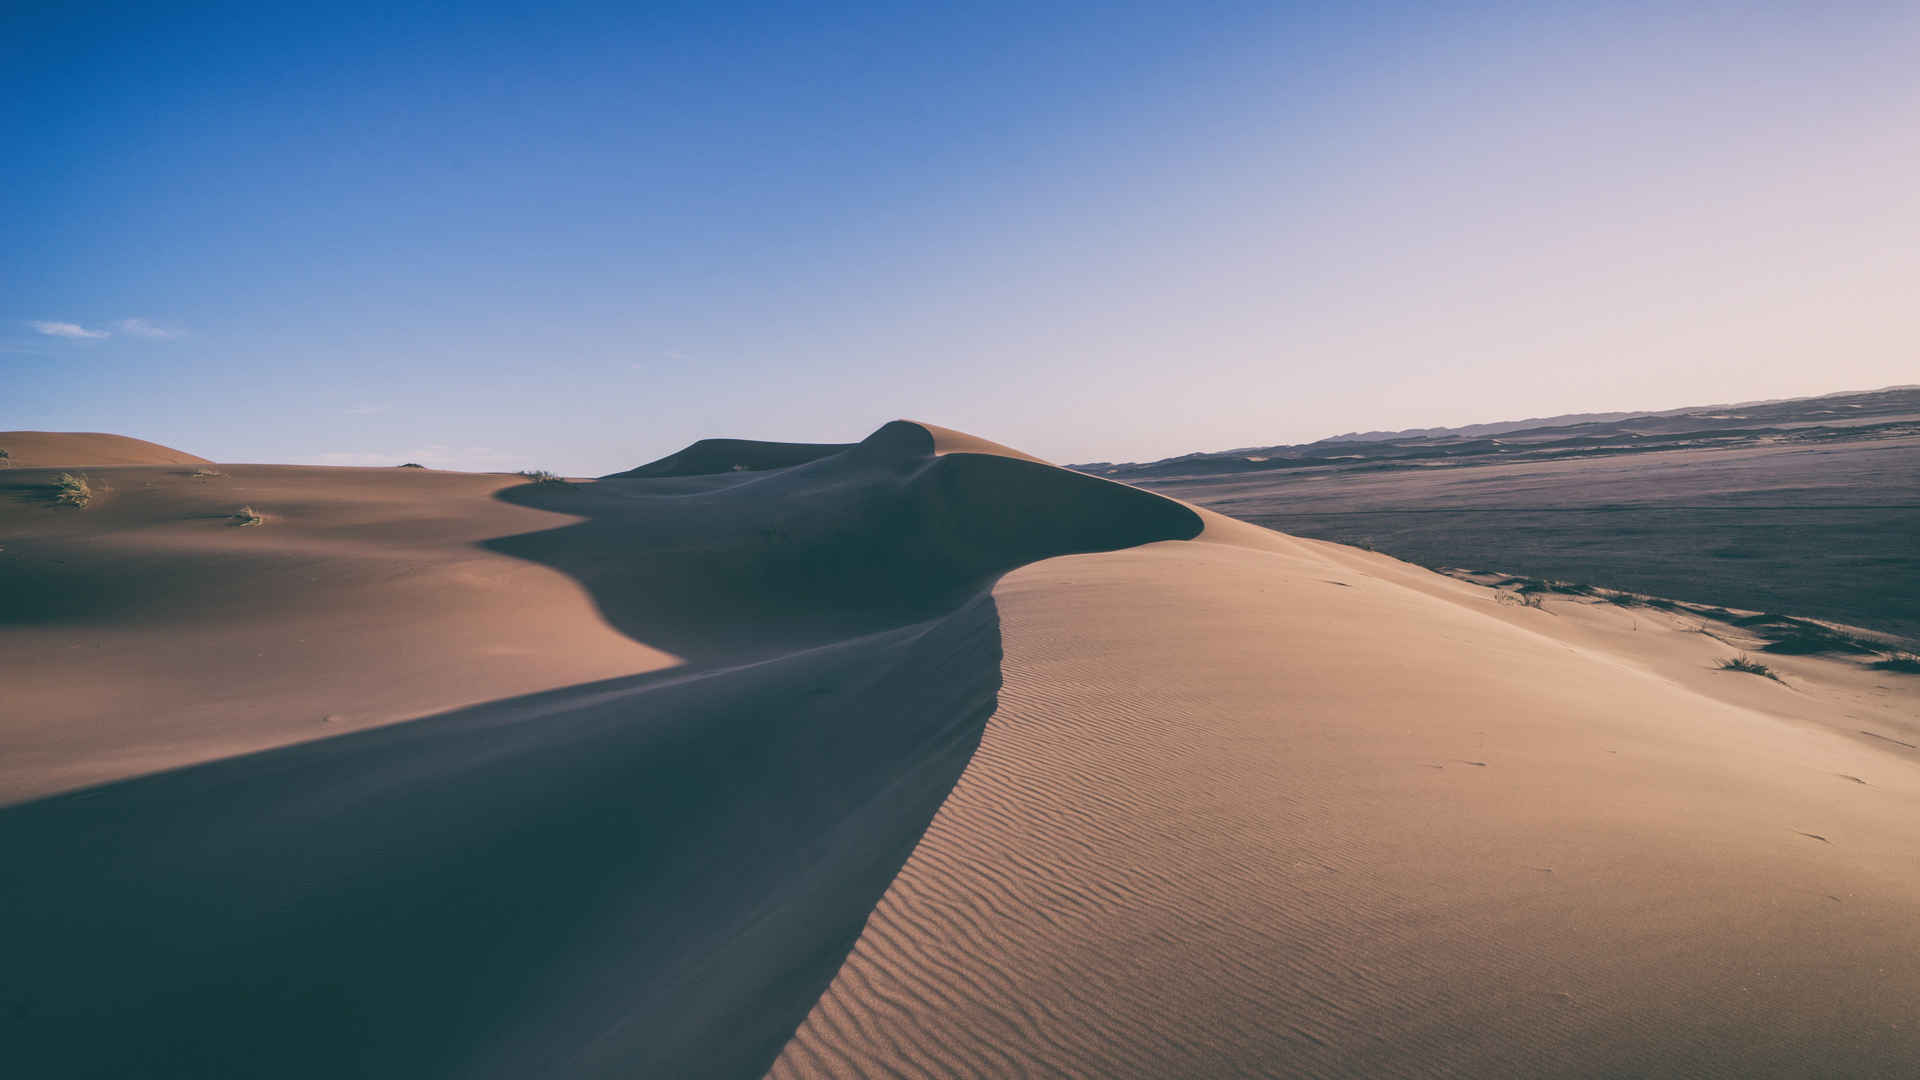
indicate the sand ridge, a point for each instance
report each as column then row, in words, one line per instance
column 1253, row 811
column 655, row 872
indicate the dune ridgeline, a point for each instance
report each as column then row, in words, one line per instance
column 910, row 757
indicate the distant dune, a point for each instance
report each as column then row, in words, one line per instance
column 710, row 456
column 82, row 449
column 910, row 757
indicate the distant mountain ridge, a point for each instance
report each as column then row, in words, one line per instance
column 1501, row 427
column 1885, row 412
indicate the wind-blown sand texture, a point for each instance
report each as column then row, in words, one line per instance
column 913, row 757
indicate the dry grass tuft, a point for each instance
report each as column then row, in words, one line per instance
column 1748, row 664
column 71, row 490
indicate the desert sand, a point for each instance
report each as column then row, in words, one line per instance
column 912, row 757
column 43, row 449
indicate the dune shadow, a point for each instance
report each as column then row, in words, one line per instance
column 883, row 533
column 648, row 876
column 645, row 876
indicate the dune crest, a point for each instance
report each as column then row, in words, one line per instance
column 653, row 874
column 709, row 456
column 1261, row 806
column 86, row 449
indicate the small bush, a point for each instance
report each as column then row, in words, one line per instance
column 411, row 465
column 1745, row 663
column 204, row 473
column 1903, row 662
column 1523, row 598
column 71, row 490
column 543, row 477
column 247, row 515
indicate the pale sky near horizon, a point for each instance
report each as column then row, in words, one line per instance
column 579, row 237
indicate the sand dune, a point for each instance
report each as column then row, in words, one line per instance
column 710, row 456
column 82, row 449
column 653, row 874
column 1265, row 812
column 914, row 757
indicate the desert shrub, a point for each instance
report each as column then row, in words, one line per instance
column 71, row 490
column 1745, row 663
column 411, row 465
column 247, row 515
column 1522, row 598
column 543, row 477
column 1903, row 662
column 204, row 473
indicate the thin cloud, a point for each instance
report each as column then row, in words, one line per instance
column 145, row 329
column 66, row 330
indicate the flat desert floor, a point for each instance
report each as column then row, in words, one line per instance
column 915, row 757
column 1823, row 528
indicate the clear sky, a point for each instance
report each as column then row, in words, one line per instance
column 580, row 236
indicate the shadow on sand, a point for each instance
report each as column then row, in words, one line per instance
column 647, row 876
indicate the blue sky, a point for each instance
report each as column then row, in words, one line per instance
column 580, row 236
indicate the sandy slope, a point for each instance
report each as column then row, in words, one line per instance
column 148, row 630
column 79, row 449
column 653, row 874
column 1205, row 800
column 1265, row 810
